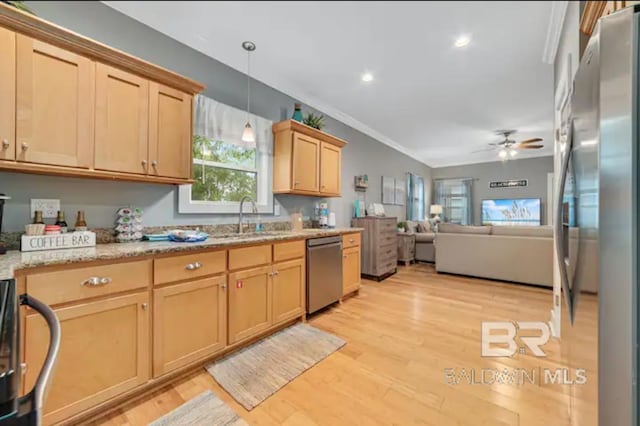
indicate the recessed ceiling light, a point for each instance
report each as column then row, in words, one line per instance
column 367, row 77
column 462, row 41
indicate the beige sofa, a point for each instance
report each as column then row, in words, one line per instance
column 522, row 254
column 425, row 251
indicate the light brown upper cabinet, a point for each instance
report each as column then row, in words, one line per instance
column 330, row 159
column 169, row 131
column 74, row 107
column 306, row 161
column 7, row 94
column 122, row 121
column 55, row 90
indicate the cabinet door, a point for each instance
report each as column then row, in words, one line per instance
column 350, row 270
column 55, row 105
column 7, row 94
column 330, row 168
column 249, row 303
column 306, row 163
column 288, row 290
column 122, row 121
column 169, row 132
column 104, row 351
column 189, row 323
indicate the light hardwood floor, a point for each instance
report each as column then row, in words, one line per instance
column 401, row 335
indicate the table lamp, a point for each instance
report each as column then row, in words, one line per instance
column 436, row 210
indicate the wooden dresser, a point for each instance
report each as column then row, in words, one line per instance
column 379, row 246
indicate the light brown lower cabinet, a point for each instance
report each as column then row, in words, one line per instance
column 189, row 322
column 288, row 290
column 249, row 303
column 350, row 270
column 104, row 351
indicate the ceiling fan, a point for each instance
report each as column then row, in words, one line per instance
column 507, row 147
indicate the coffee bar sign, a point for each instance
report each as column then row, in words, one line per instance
column 55, row 242
column 514, row 183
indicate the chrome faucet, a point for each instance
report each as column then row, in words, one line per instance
column 254, row 209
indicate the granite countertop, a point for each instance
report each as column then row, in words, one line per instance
column 16, row 260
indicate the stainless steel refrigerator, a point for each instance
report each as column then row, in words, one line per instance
column 596, row 226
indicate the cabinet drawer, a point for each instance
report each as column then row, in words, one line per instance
column 350, row 240
column 387, row 266
column 69, row 285
column 388, row 238
column 176, row 268
column 247, row 257
column 387, row 253
column 384, row 225
column 288, row 250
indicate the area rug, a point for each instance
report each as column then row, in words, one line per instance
column 205, row 409
column 260, row 370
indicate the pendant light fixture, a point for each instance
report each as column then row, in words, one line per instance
column 247, row 134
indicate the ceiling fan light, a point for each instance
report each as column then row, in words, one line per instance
column 502, row 153
column 513, row 152
column 247, row 134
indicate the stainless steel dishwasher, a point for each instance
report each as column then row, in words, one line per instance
column 324, row 272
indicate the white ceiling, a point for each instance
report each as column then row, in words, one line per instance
column 429, row 99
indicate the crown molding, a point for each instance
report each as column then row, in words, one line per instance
column 554, row 30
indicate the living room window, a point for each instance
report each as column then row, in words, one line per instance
column 225, row 168
column 454, row 195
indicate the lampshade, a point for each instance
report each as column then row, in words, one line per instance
column 435, row 209
column 247, row 134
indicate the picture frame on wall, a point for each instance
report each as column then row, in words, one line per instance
column 388, row 190
column 400, row 192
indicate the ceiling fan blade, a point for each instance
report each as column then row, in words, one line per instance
column 531, row 140
column 530, row 146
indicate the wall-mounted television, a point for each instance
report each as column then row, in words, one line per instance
column 511, row 211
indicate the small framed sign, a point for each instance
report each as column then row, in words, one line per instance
column 508, row 183
column 56, row 242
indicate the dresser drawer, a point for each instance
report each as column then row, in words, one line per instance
column 75, row 284
column 386, row 267
column 186, row 266
column 387, row 225
column 387, row 238
column 289, row 250
column 351, row 240
column 248, row 257
column 387, row 253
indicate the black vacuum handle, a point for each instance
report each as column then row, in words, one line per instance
column 41, row 387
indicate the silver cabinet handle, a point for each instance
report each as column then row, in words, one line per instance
column 154, row 163
column 193, row 266
column 276, row 273
column 351, row 240
column 223, row 286
column 5, row 144
column 144, row 306
column 25, row 146
column 96, row 281
column 144, row 163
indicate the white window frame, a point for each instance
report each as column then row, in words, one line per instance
column 263, row 170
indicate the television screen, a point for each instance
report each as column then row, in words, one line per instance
column 512, row 211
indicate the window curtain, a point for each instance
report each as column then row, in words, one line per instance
column 415, row 197
column 215, row 120
column 454, row 195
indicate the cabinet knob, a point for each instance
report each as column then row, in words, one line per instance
column 145, row 306
column 344, row 255
column 223, row 286
column 96, row 281
column 198, row 265
column 25, row 146
column 144, row 163
column 154, row 163
column 296, row 183
column 23, row 368
column 5, row 144
column 351, row 240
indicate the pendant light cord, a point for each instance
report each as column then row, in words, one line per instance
column 248, row 84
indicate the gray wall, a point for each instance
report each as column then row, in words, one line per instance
column 100, row 199
column 533, row 169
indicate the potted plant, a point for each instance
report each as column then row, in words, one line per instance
column 315, row 121
column 402, row 226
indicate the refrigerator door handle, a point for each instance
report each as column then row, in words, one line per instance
column 558, row 225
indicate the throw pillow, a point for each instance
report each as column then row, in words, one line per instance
column 421, row 228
